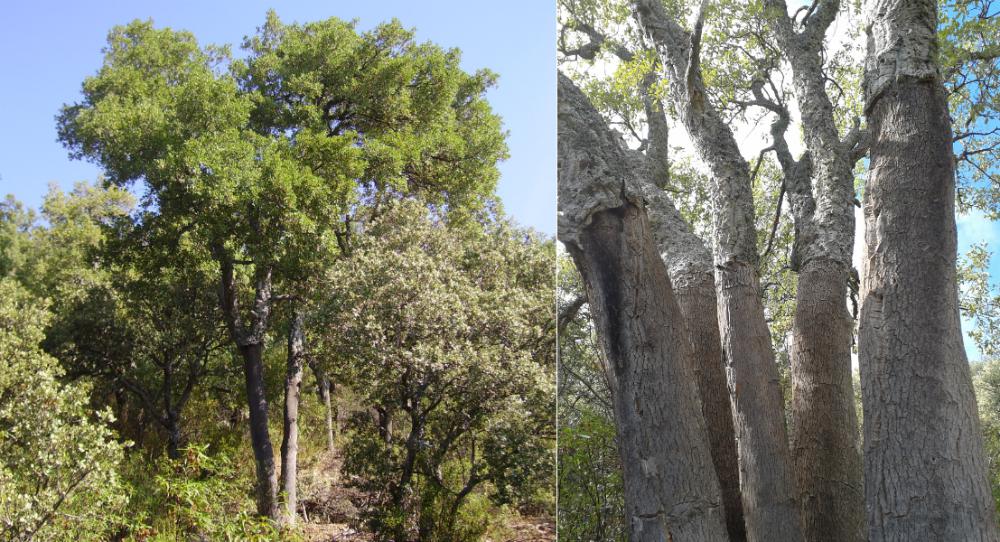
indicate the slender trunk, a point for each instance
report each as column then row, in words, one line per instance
column 698, row 308
column 249, row 339
column 290, row 440
column 170, row 417
column 824, row 421
column 765, row 468
column 260, row 439
column 925, row 469
column 384, row 424
column 323, row 385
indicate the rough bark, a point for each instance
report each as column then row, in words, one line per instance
column 249, row 339
column 689, row 266
column 290, row 438
column 824, row 435
column 671, row 488
column 260, row 440
column 925, row 471
column 768, row 487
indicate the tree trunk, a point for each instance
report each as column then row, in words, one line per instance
column 824, row 434
column 824, row 420
column 689, row 265
column 172, row 425
column 768, row 487
column 249, row 338
column 290, row 440
column 671, row 489
column 323, row 385
column 925, row 470
column 260, row 439
column 384, row 424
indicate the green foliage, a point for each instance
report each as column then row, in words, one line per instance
column 979, row 300
column 58, row 460
column 986, row 379
column 446, row 331
column 15, row 224
column 591, row 498
column 285, row 167
column 199, row 495
column 967, row 35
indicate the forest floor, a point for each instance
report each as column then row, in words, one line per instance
column 329, row 508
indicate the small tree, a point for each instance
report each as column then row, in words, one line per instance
column 445, row 331
column 58, row 461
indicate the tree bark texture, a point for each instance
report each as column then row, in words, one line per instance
column 671, row 488
column 689, row 266
column 768, row 487
column 925, row 470
column 290, row 438
column 260, row 440
column 824, row 434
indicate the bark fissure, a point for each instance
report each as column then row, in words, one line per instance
column 765, row 468
column 671, row 487
column 925, row 471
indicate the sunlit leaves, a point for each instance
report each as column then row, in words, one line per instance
column 57, row 459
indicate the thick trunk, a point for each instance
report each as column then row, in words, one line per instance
column 689, row 266
column 768, row 487
column 925, row 470
column 671, row 488
column 672, row 491
column 696, row 299
column 824, row 421
column 172, row 425
column 824, row 424
column 260, row 439
column 290, row 440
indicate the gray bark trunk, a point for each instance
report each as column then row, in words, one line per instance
column 824, row 435
column 249, row 339
column 260, row 439
column 671, row 488
column 290, row 440
column 323, row 386
column 925, row 471
column 689, row 266
column 768, row 487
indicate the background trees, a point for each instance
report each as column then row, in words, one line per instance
column 59, row 459
column 245, row 203
column 444, row 329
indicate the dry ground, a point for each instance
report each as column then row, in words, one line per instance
column 328, row 507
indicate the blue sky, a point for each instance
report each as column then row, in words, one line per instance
column 51, row 46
